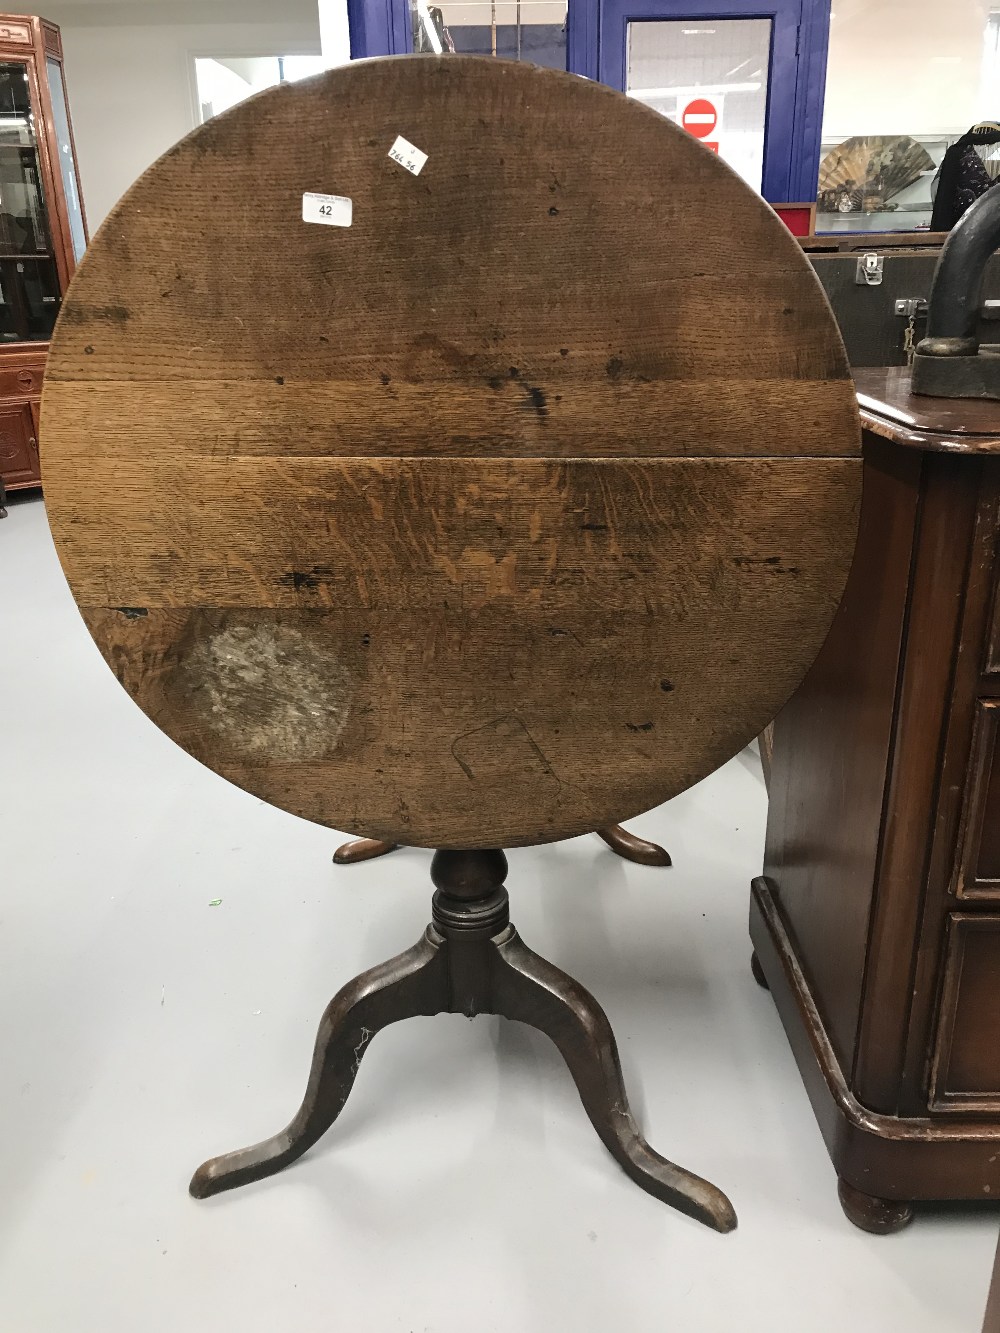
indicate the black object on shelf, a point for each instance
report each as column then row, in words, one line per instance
column 950, row 362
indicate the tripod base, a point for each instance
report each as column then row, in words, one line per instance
column 472, row 961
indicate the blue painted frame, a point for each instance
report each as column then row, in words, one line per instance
column 796, row 77
column 596, row 49
column 379, row 28
column 583, row 23
column 810, row 98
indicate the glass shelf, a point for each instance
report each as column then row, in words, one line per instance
column 29, row 281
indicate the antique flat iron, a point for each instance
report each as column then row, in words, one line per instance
column 950, row 362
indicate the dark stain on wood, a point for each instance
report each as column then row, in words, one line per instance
column 536, row 399
column 297, row 579
column 99, row 313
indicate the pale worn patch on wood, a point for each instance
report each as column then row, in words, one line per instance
column 264, row 688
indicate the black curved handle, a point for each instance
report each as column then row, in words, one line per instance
column 957, row 289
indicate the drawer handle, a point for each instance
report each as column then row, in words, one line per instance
column 34, row 443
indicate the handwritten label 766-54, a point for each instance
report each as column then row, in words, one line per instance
column 403, row 152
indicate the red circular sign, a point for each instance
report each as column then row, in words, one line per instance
column 700, row 118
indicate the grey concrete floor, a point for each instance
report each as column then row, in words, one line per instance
column 142, row 1029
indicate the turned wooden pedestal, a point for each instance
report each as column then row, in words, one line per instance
column 877, row 921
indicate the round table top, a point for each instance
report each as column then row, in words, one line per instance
column 503, row 513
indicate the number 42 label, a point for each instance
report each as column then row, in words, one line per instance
column 332, row 210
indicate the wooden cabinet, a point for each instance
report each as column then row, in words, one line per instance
column 18, row 445
column 876, row 923
column 43, row 230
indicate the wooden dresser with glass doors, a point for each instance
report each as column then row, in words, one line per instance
column 43, row 231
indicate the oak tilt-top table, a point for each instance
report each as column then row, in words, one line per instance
column 500, row 502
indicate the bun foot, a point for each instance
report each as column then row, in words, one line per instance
column 879, row 1216
column 758, row 971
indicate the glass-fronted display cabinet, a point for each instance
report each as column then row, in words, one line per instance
column 43, row 230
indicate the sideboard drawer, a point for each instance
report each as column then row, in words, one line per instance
column 991, row 665
column 965, row 1065
column 23, row 381
column 18, row 445
column 977, row 865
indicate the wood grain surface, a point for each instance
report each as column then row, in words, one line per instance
column 505, row 513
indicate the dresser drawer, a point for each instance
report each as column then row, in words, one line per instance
column 18, row 446
column 965, row 1061
column 977, row 865
column 991, row 666
column 21, row 381
column 12, row 31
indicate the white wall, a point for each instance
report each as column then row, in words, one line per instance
column 906, row 67
column 130, row 77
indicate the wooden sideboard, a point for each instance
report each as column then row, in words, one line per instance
column 21, row 372
column 876, row 923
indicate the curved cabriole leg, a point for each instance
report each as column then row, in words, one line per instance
column 631, row 848
column 531, row 990
column 362, row 849
column 880, row 1216
column 415, row 982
